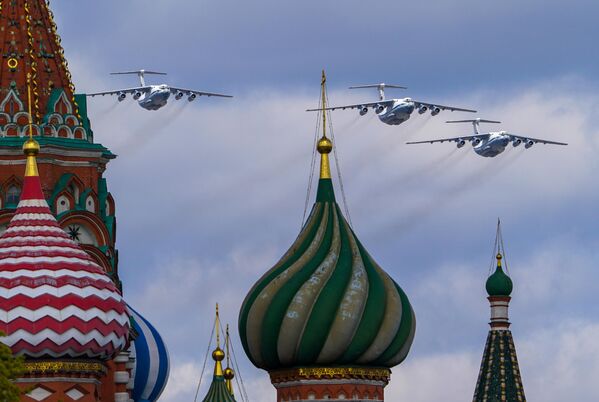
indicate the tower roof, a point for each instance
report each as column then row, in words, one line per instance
column 326, row 302
column 219, row 390
column 499, row 378
column 31, row 46
column 55, row 300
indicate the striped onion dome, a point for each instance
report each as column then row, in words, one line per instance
column 326, row 302
column 151, row 370
column 55, row 301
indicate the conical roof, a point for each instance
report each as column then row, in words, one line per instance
column 219, row 390
column 32, row 47
column 55, row 301
column 326, row 302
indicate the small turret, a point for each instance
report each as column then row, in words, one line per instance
column 219, row 389
column 499, row 378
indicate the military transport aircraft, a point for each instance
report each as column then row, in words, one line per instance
column 394, row 111
column 489, row 144
column 153, row 97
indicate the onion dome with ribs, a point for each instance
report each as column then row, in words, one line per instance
column 55, row 301
column 326, row 302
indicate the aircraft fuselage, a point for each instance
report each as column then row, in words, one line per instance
column 398, row 112
column 156, row 98
column 492, row 146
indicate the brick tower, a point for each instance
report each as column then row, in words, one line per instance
column 71, row 164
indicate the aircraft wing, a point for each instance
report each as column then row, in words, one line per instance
column 130, row 91
column 356, row 106
column 535, row 140
column 188, row 92
column 442, row 107
column 455, row 139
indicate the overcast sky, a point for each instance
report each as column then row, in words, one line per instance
column 210, row 194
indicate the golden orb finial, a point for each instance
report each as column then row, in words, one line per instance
column 325, row 146
column 499, row 257
column 31, row 147
column 218, row 354
column 229, row 373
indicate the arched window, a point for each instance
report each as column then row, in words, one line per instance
column 12, row 196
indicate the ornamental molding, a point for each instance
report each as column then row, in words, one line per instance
column 56, row 367
column 324, row 373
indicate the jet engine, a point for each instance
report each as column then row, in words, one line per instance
column 529, row 143
column 191, row 97
column 461, row 143
column 137, row 95
column 179, row 95
column 422, row 109
column 475, row 142
column 363, row 110
column 379, row 109
column 435, row 111
column 122, row 96
column 516, row 142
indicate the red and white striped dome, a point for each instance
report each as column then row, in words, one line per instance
column 54, row 299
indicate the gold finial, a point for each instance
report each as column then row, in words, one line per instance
column 229, row 374
column 325, row 146
column 31, row 147
column 499, row 257
column 218, row 355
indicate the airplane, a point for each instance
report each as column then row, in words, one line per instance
column 394, row 111
column 153, row 97
column 489, row 144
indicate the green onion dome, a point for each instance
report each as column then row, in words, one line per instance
column 499, row 284
column 326, row 302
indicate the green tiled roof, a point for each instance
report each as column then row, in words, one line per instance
column 499, row 379
column 69, row 143
column 218, row 391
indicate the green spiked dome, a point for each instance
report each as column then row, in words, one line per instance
column 326, row 302
column 499, row 284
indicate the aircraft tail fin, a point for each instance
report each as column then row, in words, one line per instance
column 137, row 72
column 140, row 74
column 380, row 87
column 473, row 121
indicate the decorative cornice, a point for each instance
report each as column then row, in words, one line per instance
column 56, row 367
column 311, row 373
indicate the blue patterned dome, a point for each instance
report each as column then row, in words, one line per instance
column 150, row 374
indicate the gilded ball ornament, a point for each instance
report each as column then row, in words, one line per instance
column 325, row 146
column 31, row 148
column 229, row 373
column 218, row 355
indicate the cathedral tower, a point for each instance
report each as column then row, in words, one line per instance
column 71, row 164
column 62, row 307
column 326, row 321
column 499, row 378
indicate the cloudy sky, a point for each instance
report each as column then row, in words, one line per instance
column 210, row 194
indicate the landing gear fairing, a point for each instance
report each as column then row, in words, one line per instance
column 394, row 111
column 489, row 144
column 153, row 97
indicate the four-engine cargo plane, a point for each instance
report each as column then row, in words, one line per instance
column 489, row 144
column 153, row 97
column 394, row 111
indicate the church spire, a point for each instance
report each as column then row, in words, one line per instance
column 32, row 48
column 219, row 389
column 499, row 378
